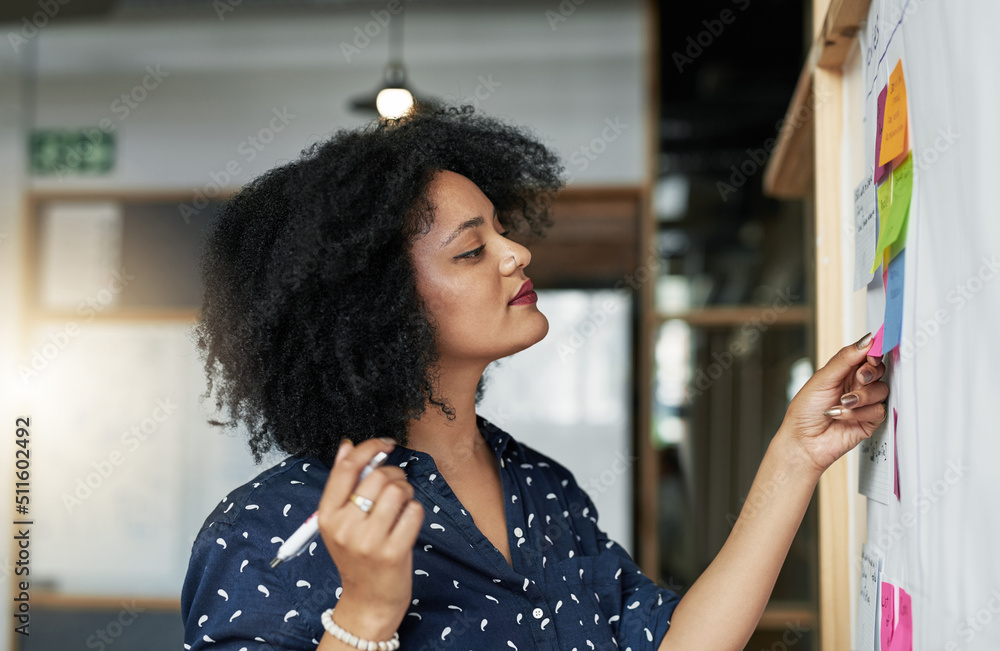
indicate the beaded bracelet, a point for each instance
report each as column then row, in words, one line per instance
column 353, row 640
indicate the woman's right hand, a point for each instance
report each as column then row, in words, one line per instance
column 373, row 551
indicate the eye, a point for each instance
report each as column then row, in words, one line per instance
column 475, row 253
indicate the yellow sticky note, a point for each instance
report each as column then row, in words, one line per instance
column 893, row 206
column 884, row 199
column 894, row 121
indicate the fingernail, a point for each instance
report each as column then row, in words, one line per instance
column 833, row 412
column 342, row 449
column 849, row 400
column 863, row 342
column 867, row 375
column 387, row 439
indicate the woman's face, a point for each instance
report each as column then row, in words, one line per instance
column 468, row 272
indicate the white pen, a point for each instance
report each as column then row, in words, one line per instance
column 298, row 541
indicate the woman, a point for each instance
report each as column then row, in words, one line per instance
column 354, row 298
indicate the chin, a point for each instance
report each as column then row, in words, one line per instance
column 544, row 328
column 538, row 332
column 529, row 336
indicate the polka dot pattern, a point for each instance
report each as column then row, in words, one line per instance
column 569, row 585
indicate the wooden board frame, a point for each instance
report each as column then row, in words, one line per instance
column 835, row 27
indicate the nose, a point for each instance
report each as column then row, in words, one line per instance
column 517, row 256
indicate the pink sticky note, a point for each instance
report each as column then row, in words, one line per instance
column 895, row 449
column 902, row 639
column 887, row 621
column 876, row 349
column 880, row 171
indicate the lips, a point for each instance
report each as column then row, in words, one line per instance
column 526, row 289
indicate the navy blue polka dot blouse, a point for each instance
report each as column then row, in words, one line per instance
column 570, row 587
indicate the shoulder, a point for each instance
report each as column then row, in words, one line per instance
column 278, row 497
column 231, row 553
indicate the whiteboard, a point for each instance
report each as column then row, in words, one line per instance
column 938, row 539
column 124, row 465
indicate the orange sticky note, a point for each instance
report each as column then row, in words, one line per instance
column 894, row 120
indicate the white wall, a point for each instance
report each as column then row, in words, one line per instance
column 224, row 79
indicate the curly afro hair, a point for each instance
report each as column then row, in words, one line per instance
column 311, row 327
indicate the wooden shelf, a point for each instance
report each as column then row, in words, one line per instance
column 58, row 600
column 840, row 30
column 129, row 315
column 736, row 315
column 790, row 170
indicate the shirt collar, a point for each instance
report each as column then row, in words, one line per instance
column 499, row 441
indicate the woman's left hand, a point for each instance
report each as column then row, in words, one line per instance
column 825, row 419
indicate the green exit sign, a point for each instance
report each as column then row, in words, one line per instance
column 64, row 152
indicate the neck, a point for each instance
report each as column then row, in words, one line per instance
column 456, row 443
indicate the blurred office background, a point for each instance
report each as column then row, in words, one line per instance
column 675, row 290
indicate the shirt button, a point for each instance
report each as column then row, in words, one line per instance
column 537, row 613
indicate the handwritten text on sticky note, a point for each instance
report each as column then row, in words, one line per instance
column 894, row 204
column 896, row 623
column 894, row 126
column 864, row 232
column 868, row 603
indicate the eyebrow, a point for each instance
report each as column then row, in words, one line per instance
column 464, row 226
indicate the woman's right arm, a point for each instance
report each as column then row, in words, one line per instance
column 373, row 551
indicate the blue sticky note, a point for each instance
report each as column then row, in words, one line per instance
column 894, row 302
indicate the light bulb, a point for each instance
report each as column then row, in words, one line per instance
column 393, row 102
